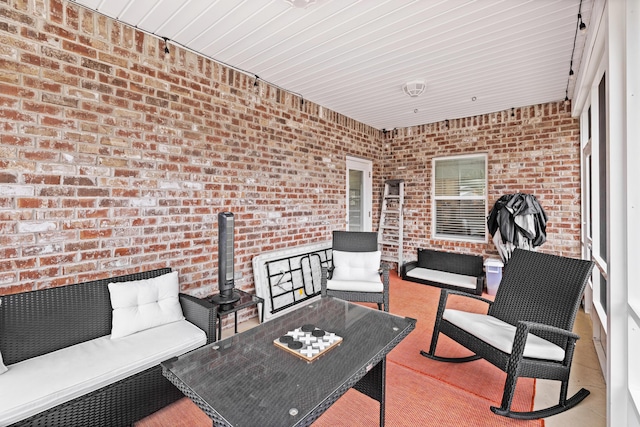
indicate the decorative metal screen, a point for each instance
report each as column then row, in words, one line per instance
column 289, row 277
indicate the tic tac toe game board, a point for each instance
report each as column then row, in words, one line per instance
column 308, row 342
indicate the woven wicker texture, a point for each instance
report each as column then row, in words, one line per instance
column 419, row 391
column 119, row 404
column 42, row 321
column 464, row 264
column 247, row 380
column 39, row 322
column 540, row 294
column 201, row 313
column 357, row 241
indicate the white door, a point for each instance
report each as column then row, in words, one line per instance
column 359, row 184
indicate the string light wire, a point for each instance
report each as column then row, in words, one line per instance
column 581, row 26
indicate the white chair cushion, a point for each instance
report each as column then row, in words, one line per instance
column 500, row 335
column 35, row 385
column 444, row 277
column 360, row 266
column 355, row 285
column 144, row 304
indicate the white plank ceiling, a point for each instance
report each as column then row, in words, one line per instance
column 353, row 56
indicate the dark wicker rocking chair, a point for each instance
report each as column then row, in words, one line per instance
column 527, row 331
column 347, row 278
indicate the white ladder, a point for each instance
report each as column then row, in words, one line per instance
column 391, row 228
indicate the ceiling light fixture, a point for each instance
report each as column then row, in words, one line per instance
column 582, row 26
column 414, row 88
column 300, row 4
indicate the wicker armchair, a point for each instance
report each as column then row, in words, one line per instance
column 527, row 331
column 356, row 273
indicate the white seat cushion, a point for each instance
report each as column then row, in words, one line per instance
column 444, row 277
column 355, row 285
column 40, row 383
column 143, row 304
column 500, row 334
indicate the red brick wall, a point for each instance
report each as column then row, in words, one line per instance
column 114, row 159
column 531, row 150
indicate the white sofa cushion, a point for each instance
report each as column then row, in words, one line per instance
column 40, row 383
column 444, row 277
column 356, row 271
column 500, row 334
column 144, row 304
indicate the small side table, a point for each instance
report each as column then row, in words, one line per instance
column 246, row 300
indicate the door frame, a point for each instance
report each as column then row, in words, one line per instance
column 366, row 167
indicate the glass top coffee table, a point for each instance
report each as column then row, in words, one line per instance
column 248, row 380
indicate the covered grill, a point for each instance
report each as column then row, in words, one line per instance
column 517, row 221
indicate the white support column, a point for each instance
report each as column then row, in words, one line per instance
column 632, row 146
column 623, row 382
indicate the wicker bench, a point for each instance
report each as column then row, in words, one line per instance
column 446, row 270
column 38, row 324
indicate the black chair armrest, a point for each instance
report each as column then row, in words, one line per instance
column 384, row 272
column 447, row 292
column 541, row 327
column 522, row 332
column 444, row 296
column 407, row 267
column 324, row 276
column 201, row 313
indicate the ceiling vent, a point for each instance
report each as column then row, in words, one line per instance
column 414, row 88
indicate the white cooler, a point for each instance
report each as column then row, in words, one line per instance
column 493, row 268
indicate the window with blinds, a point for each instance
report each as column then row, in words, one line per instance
column 460, row 197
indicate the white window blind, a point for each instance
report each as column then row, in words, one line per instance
column 460, row 197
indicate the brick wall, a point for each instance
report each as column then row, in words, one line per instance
column 531, row 150
column 115, row 159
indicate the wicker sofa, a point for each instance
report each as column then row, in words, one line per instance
column 74, row 322
column 446, row 270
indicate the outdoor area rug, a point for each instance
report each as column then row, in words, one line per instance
column 419, row 392
column 424, row 392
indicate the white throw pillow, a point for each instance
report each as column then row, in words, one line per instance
column 144, row 304
column 363, row 266
column 3, row 368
